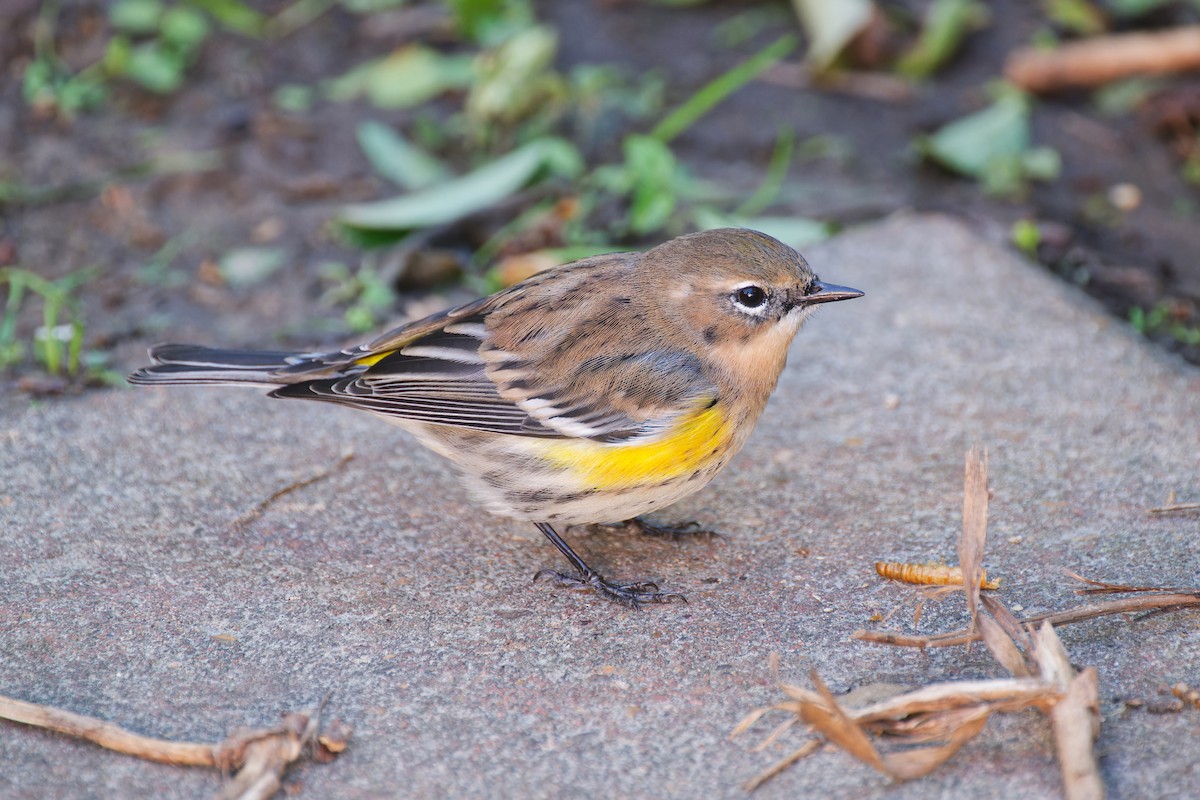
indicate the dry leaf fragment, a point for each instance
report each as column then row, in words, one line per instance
column 950, row 714
column 1003, row 693
column 1000, row 645
column 1007, row 620
column 828, row 719
column 1076, row 722
column 974, row 526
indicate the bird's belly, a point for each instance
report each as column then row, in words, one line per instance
column 575, row 481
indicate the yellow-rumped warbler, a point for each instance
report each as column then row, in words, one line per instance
column 592, row 392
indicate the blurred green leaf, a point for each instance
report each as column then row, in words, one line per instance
column 1026, row 236
column 247, row 266
column 155, row 67
column 947, row 23
column 46, row 83
column 721, row 87
column 993, row 146
column 1041, row 163
column 136, row 16
column 489, row 22
column 397, row 159
column 1137, row 318
column 776, row 174
column 370, row 6
column 652, row 167
column 745, row 25
column 969, row 144
column 185, row 28
column 116, row 55
column 1135, row 8
column 294, row 97
column 408, row 77
column 234, row 15
column 1191, row 170
column 1123, row 97
column 515, row 78
column 1076, row 16
column 475, row 191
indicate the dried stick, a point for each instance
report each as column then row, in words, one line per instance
column 1104, row 59
column 107, row 735
column 257, row 511
column 1127, row 605
column 803, row 751
column 1173, row 507
column 260, row 756
column 1076, row 723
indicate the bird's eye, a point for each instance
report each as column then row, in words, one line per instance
column 750, row 296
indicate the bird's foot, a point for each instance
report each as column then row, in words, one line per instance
column 632, row 594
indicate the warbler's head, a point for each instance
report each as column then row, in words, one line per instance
column 741, row 293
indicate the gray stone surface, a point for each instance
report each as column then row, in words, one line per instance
column 129, row 594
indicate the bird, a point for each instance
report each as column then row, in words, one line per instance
column 590, row 393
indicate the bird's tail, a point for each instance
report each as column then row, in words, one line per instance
column 192, row 364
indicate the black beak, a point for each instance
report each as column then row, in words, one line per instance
column 820, row 292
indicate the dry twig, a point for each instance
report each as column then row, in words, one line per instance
column 107, row 735
column 260, row 756
column 1075, row 717
column 934, row 722
column 1104, row 59
column 1171, row 508
column 257, row 511
column 1146, row 603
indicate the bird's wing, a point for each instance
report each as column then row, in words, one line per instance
column 592, row 357
column 548, row 358
column 608, row 397
column 431, row 371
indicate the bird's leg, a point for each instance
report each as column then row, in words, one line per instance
column 672, row 532
column 633, row 594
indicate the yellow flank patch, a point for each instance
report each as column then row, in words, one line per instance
column 682, row 450
column 373, row 359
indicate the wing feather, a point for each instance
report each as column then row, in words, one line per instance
column 554, row 358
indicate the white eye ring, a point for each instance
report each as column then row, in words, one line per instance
column 750, row 298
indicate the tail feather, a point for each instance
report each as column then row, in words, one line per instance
column 192, row 364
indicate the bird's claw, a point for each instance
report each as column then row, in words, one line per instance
column 632, row 594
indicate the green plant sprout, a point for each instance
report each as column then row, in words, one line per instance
column 367, row 296
column 1162, row 319
column 58, row 342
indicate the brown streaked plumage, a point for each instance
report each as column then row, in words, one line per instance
column 592, row 392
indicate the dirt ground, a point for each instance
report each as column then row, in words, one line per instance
column 256, row 175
